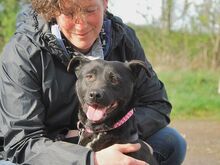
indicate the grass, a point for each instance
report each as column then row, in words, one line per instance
column 184, row 62
column 193, row 94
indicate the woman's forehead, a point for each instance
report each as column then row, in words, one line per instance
column 78, row 3
column 76, row 6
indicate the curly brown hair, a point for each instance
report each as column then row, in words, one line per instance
column 50, row 9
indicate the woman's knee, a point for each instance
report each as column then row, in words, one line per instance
column 179, row 146
column 169, row 146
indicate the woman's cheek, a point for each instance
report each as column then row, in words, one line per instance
column 65, row 22
column 68, row 25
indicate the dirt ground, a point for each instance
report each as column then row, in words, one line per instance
column 203, row 141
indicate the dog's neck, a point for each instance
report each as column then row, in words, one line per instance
column 82, row 127
column 124, row 119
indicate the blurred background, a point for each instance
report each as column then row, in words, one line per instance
column 181, row 39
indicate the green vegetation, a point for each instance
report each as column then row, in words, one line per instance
column 193, row 93
column 8, row 12
column 187, row 66
column 193, row 49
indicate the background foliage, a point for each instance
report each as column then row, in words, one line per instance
column 8, row 12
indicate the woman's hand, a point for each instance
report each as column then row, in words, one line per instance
column 115, row 155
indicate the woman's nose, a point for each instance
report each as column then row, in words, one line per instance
column 79, row 18
column 80, row 21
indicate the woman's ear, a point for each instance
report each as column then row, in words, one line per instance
column 105, row 4
column 137, row 65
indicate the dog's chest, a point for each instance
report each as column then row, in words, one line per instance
column 97, row 141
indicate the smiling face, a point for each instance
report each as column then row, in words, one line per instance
column 81, row 22
column 104, row 89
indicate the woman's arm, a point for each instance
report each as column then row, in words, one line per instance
column 152, row 105
column 22, row 111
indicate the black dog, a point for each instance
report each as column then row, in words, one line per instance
column 106, row 93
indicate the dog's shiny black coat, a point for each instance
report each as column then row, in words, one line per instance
column 108, row 84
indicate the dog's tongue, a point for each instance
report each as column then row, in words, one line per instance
column 94, row 113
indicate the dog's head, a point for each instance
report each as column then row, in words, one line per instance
column 104, row 88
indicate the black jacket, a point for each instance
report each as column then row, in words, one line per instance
column 38, row 102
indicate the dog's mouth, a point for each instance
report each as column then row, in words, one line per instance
column 96, row 112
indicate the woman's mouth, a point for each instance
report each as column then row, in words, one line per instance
column 81, row 34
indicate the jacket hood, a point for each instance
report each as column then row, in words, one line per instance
column 34, row 26
column 30, row 23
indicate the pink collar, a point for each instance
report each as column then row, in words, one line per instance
column 124, row 119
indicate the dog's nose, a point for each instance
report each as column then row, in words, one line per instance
column 95, row 95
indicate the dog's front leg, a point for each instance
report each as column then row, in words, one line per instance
column 96, row 143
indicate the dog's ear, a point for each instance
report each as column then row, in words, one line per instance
column 137, row 65
column 76, row 62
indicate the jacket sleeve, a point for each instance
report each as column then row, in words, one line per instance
column 153, row 107
column 22, row 111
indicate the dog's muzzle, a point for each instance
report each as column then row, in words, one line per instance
column 96, row 112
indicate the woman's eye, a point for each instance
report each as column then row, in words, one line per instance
column 90, row 9
column 68, row 14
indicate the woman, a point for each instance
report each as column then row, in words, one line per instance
column 38, row 105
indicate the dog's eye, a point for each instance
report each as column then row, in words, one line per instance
column 113, row 78
column 90, row 77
